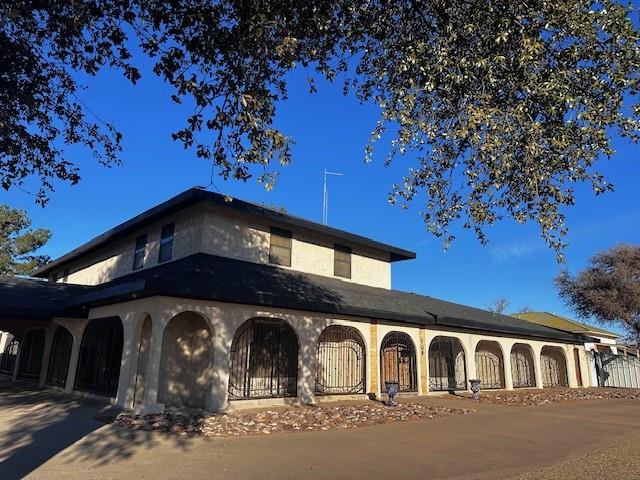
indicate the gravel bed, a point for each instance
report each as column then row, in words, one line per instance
column 286, row 419
column 553, row 395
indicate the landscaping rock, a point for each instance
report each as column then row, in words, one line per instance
column 545, row 396
column 293, row 419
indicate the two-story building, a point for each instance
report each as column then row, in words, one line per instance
column 205, row 300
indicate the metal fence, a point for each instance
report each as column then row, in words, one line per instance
column 617, row 370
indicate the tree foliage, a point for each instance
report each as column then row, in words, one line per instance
column 503, row 105
column 19, row 242
column 607, row 289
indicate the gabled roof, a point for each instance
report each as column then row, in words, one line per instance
column 562, row 323
column 196, row 195
column 209, row 277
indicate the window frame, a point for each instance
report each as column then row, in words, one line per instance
column 166, row 242
column 275, row 232
column 337, row 248
column 140, row 252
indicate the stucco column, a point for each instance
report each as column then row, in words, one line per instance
column 470, row 357
column 46, row 354
column 538, row 364
column 73, row 361
column 508, row 374
column 572, row 374
column 153, row 366
column 124, row 396
column 16, row 366
column 308, row 338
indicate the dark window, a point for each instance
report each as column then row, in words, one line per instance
column 8, row 357
column 166, row 243
column 342, row 261
column 280, row 247
column 141, row 248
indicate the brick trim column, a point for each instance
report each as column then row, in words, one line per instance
column 423, row 358
column 373, row 357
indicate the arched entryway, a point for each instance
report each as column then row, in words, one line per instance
column 523, row 369
column 59, row 357
column 143, row 360
column 100, row 357
column 489, row 365
column 8, row 357
column 554, row 367
column 31, row 354
column 186, row 362
column 398, row 361
column 447, row 365
column 264, row 360
column 340, row 361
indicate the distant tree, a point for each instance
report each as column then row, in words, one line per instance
column 504, row 105
column 18, row 243
column 525, row 309
column 499, row 305
column 607, row 289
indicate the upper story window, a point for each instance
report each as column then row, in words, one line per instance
column 280, row 247
column 141, row 249
column 166, row 243
column 342, row 261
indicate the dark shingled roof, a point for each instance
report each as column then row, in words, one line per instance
column 196, row 195
column 31, row 299
column 209, row 277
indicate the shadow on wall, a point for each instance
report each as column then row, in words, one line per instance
column 37, row 424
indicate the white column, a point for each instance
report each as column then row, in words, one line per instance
column 538, row 364
column 73, row 361
column 506, row 355
column 219, row 396
column 151, row 377
column 124, row 396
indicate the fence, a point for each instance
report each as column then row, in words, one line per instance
column 617, row 370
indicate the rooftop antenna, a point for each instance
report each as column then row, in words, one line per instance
column 325, row 196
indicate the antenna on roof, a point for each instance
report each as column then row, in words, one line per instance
column 325, row 196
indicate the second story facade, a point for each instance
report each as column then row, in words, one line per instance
column 198, row 221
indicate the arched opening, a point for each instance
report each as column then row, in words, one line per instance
column 31, row 355
column 398, row 361
column 554, row 367
column 8, row 357
column 185, row 365
column 143, row 361
column 264, row 360
column 59, row 358
column 340, row 361
column 523, row 368
column 489, row 365
column 100, row 357
column 447, row 365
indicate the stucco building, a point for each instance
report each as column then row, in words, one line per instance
column 205, row 301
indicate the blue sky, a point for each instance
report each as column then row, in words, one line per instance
column 330, row 132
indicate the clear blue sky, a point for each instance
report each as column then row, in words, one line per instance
column 330, row 132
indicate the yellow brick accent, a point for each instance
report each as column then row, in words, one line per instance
column 424, row 385
column 373, row 355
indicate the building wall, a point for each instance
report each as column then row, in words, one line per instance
column 224, row 320
column 210, row 229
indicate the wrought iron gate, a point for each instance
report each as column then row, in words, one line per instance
column 522, row 366
column 59, row 359
column 489, row 366
column 398, row 361
column 264, row 360
column 31, row 355
column 554, row 368
column 340, row 361
column 447, row 365
column 8, row 357
column 617, row 370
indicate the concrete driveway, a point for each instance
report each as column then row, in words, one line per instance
column 49, row 436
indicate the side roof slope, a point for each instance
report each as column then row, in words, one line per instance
column 562, row 323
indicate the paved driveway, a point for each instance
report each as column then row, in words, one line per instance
column 51, row 437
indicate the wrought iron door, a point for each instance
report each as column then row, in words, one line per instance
column 447, row 366
column 554, row 368
column 522, row 368
column 340, row 362
column 31, row 356
column 398, row 361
